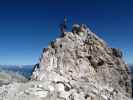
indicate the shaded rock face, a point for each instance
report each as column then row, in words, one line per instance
column 83, row 67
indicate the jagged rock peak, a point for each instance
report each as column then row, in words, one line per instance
column 82, row 67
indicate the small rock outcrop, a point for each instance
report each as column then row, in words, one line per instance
column 80, row 66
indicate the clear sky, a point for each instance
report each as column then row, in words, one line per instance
column 27, row 26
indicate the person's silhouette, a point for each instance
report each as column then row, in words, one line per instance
column 63, row 26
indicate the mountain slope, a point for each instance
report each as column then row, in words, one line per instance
column 82, row 66
column 77, row 66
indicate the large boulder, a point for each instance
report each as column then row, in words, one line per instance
column 117, row 52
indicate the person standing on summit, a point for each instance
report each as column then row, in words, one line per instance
column 63, row 26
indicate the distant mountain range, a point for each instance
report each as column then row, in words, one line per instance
column 25, row 70
column 131, row 68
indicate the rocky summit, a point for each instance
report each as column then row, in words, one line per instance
column 76, row 66
column 81, row 66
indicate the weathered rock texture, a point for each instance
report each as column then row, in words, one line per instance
column 83, row 67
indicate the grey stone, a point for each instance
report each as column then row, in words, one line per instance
column 81, row 68
column 117, row 52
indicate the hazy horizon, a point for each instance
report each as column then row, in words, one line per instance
column 26, row 26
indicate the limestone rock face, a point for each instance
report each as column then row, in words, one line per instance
column 83, row 67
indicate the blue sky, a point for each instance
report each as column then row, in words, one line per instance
column 27, row 26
